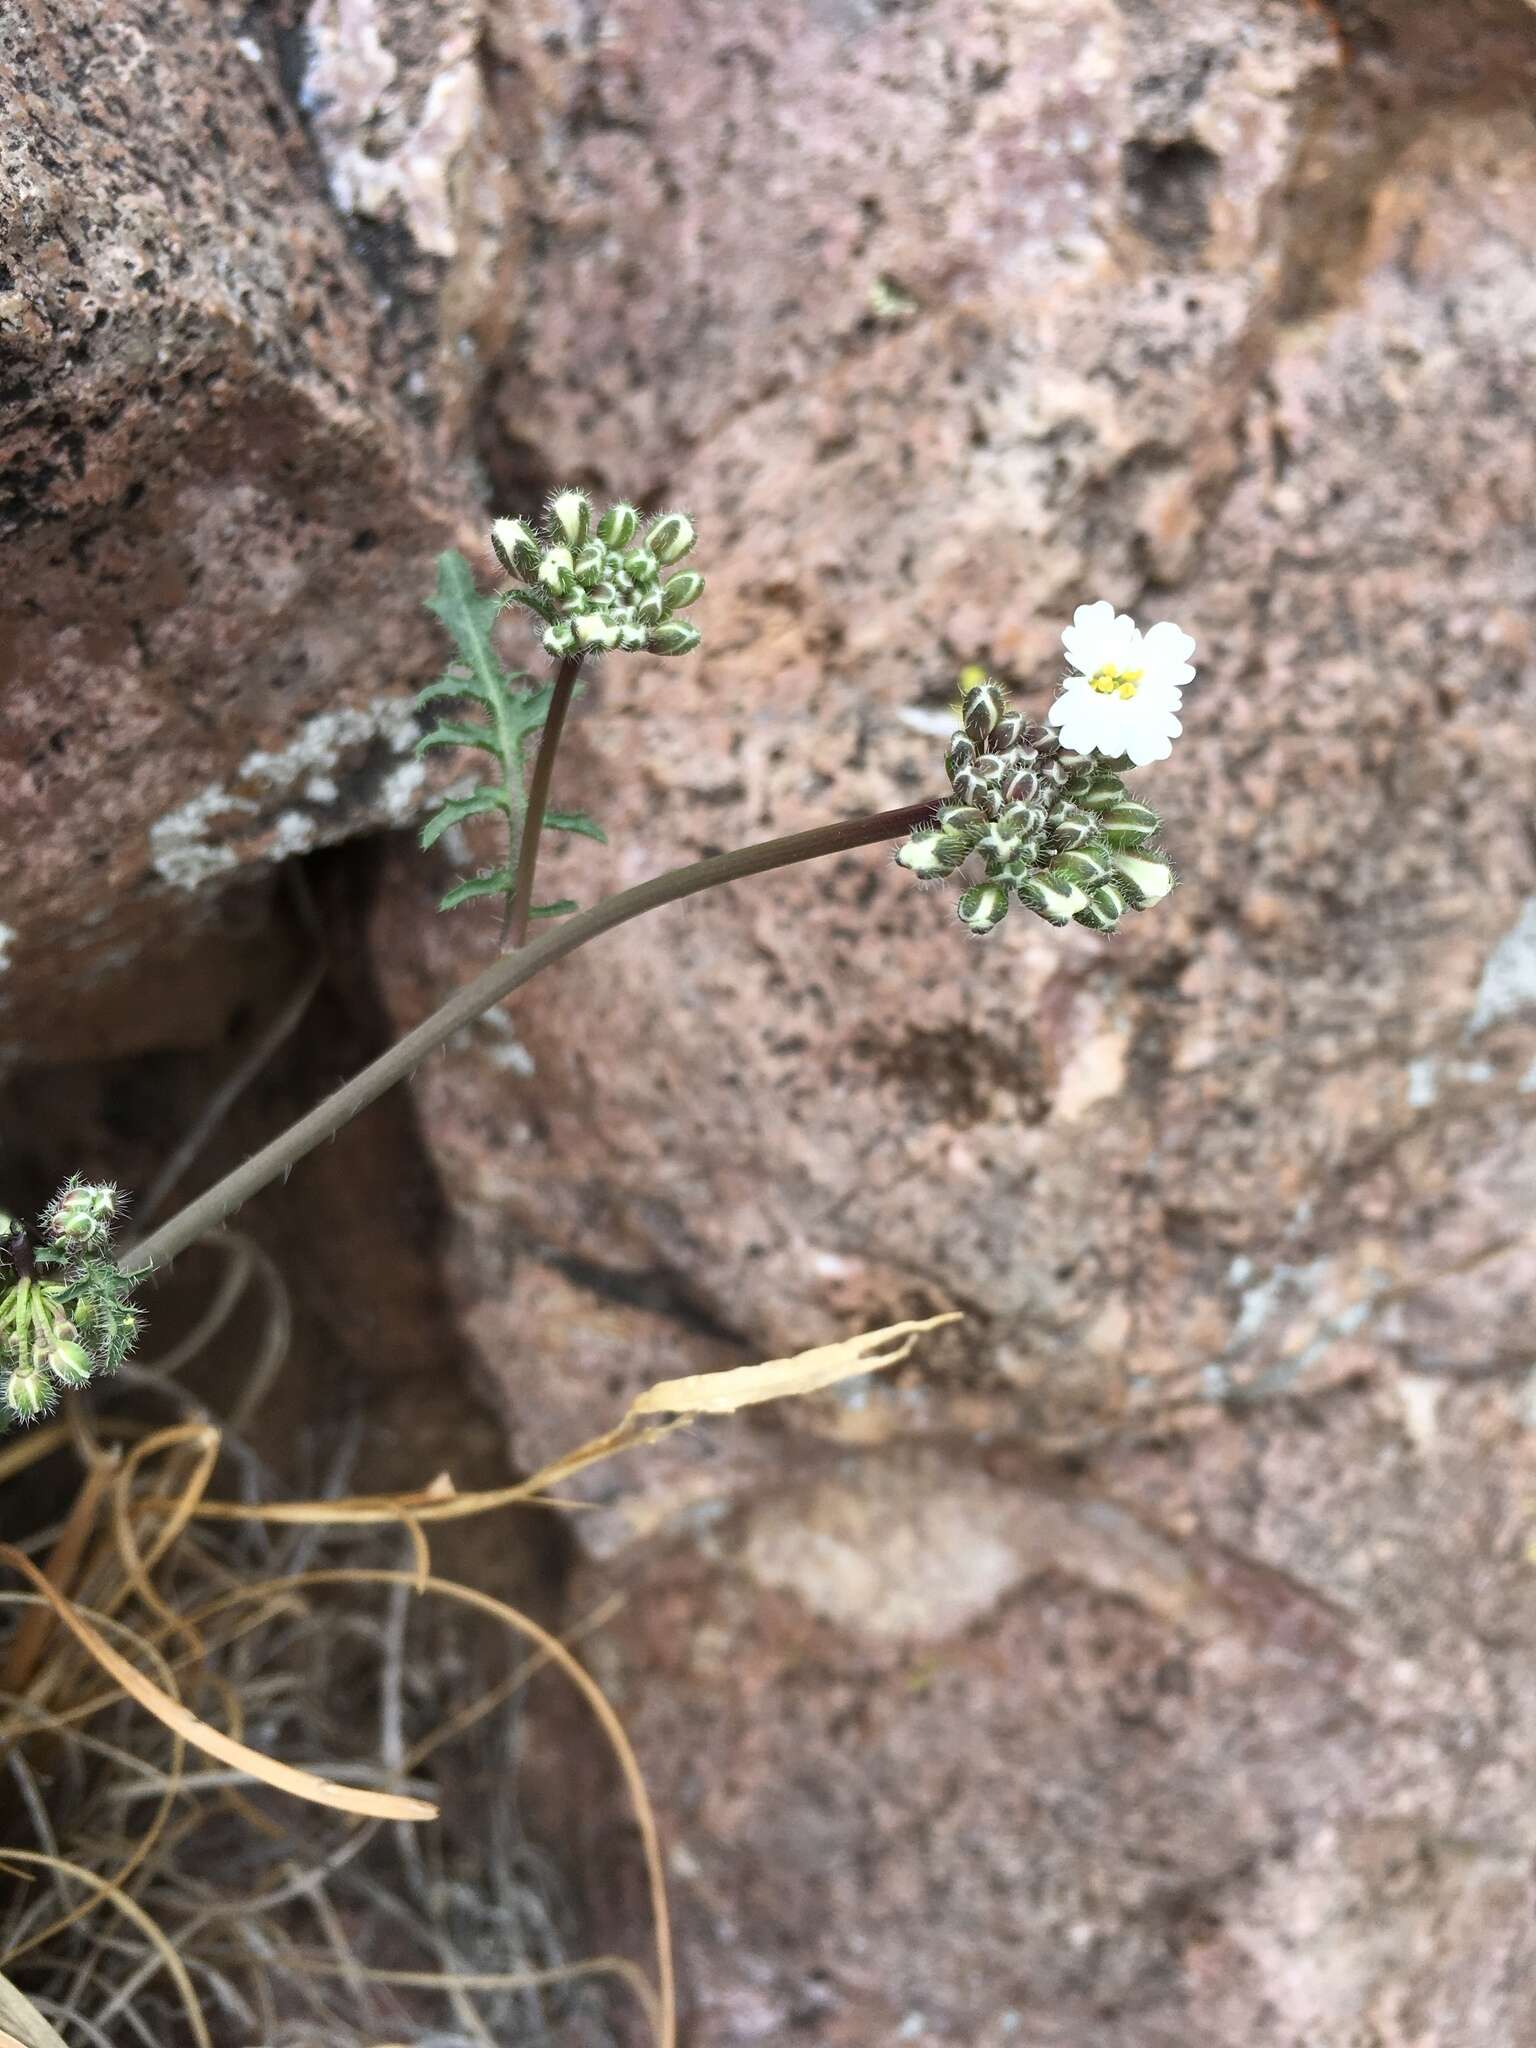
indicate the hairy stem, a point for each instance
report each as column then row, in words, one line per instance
column 498, row 981
column 515, row 930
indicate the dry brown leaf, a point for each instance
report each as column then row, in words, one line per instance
column 213, row 1741
column 677, row 1401
column 808, row 1372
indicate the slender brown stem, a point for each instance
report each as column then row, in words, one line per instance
column 516, row 929
column 498, row 981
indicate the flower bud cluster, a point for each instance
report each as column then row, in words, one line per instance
column 67, row 1313
column 1054, row 830
column 601, row 584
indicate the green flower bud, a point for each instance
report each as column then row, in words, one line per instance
column 931, row 853
column 1103, row 793
column 982, row 909
column 595, row 629
column 516, row 545
column 998, row 846
column 682, row 590
column 1144, row 880
column 1071, row 827
column 1009, row 731
column 557, row 571
column 68, row 1363
column 962, row 753
column 1054, row 897
column 560, row 640
column 1103, row 910
column 633, row 636
column 641, row 567
column 1086, row 865
column 981, row 708
column 619, row 525
column 961, row 821
column 28, row 1393
column 1022, row 786
column 650, row 611
column 671, row 538
column 1128, row 824
column 591, row 563
column 569, row 518
column 674, row 637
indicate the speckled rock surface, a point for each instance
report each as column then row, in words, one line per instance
column 1212, row 1733
column 220, row 496
column 1148, row 1662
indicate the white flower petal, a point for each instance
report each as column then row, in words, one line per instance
column 1167, row 642
column 1097, row 638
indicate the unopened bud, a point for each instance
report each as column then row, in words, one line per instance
column 1071, row 827
column 1009, row 731
column 591, row 562
column 671, row 538
column 1103, row 910
column 1103, row 793
column 640, row 567
column 962, row 752
column 619, row 525
column 516, row 545
column 931, row 853
column 1085, row 865
column 1144, row 880
column 28, row 1392
column 557, row 571
column 569, row 517
column 596, row 629
column 682, row 590
column 674, row 637
column 560, row 639
column 982, row 909
column 68, row 1363
column 1128, row 824
column 1052, row 896
column 981, row 708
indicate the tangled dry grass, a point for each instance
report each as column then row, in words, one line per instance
column 220, row 1717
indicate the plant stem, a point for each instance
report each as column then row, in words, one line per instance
column 499, row 980
column 515, row 930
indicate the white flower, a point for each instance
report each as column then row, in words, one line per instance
column 1126, row 695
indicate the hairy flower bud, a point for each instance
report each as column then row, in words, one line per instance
column 569, row 518
column 981, row 708
column 671, row 538
column 682, row 590
column 1128, row 824
column 28, row 1393
column 674, row 637
column 596, row 630
column 982, row 909
column 68, row 1362
column 931, row 853
column 1144, row 880
column 1071, row 827
column 1104, row 909
column 1054, row 897
column 619, row 525
column 640, row 566
column 560, row 640
column 557, row 571
column 516, row 546
column 1085, row 865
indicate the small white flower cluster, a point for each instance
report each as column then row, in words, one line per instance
column 1124, row 699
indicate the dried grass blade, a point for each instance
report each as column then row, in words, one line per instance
column 212, row 1741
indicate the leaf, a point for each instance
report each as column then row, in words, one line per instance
column 451, row 735
column 496, row 884
column 561, row 909
column 212, row 1741
column 457, row 808
column 744, row 1386
column 451, row 686
column 576, row 821
column 468, row 616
